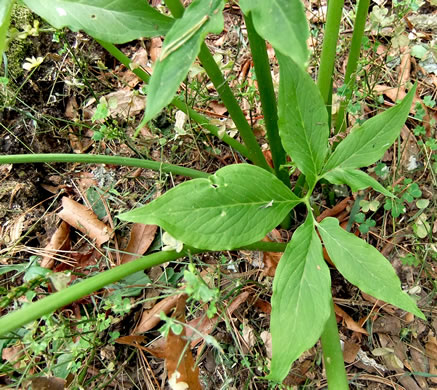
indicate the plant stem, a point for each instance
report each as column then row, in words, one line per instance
column 52, row 302
column 327, row 58
column 100, row 159
column 333, row 355
column 237, row 115
column 62, row 298
column 177, row 102
column 215, row 75
column 354, row 55
column 268, row 98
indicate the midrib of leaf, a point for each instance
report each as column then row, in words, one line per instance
column 351, row 254
column 284, row 16
column 263, row 203
column 357, row 153
column 314, row 170
column 106, row 8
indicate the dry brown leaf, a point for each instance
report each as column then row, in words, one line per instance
column 334, row 211
column 157, row 349
column 350, row 351
column 205, row 325
column 84, row 220
column 348, row 321
column 431, row 347
column 72, row 109
column 123, row 103
column 410, row 149
column 155, row 49
column 85, row 180
column 49, row 383
column 150, row 318
column 15, row 229
column 266, row 337
column 81, row 144
column 387, row 324
column 395, row 94
column 380, row 304
column 218, row 108
column 404, row 68
column 271, row 259
column 59, row 241
column 263, row 306
column 141, row 237
column 239, row 299
column 419, row 362
column 202, row 324
column 13, row 354
column 249, row 338
column 182, row 371
column 269, row 158
column 140, row 58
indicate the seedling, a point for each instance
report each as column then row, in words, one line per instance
column 239, row 204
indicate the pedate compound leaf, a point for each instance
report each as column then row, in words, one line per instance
column 367, row 143
column 238, row 205
column 355, row 179
column 300, row 301
column 303, row 119
column 283, row 23
column 362, row 265
column 5, row 19
column 116, row 21
column 180, row 48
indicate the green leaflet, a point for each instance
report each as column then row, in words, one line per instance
column 5, row 19
column 180, row 48
column 300, row 301
column 355, row 179
column 303, row 119
column 368, row 142
column 290, row 31
column 238, row 205
column 364, row 266
column 116, row 21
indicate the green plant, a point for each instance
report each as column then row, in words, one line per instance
column 408, row 192
column 238, row 205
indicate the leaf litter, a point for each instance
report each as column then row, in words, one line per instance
column 255, row 308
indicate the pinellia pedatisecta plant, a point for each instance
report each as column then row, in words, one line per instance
column 239, row 204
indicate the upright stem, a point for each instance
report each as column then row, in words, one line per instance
column 178, row 102
column 52, row 302
column 99, row 159
column 333, row 355
column 268, row 98
column 228, row 98
column 327, row 59
column 354, row 55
